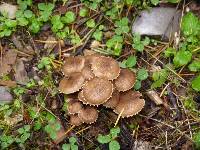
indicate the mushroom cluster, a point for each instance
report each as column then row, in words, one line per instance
column 98, row 80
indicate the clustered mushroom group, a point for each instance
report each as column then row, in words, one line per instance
column 98, row 80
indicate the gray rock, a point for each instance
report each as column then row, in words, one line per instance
column 159, row 21
column 5, row 96
column 9, row 9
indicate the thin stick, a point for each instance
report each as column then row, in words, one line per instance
column 119, row 116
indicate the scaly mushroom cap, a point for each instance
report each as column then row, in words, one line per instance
column 74, row 107
column 72, row 83
column 81, row 97
column 126, row 80
column 106, row 67
column 113, row 101
column 129, row 103
column 73, row 64
column 88, row 114
column 97, row 91
column 75, row 120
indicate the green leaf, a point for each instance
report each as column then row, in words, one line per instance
column 69, row 17
column 169, row 52
column 83, row 12
column 11, row 23
column 72, row 140
column 28, row 13
column 27, row 128
column 66, row 147
column 142, row 74
column 194, row 66
column 22, row 21
column 21, row 130
column 137, row 85
column 159, row 78
column 114, row 145
column 98, row 35
column 114, row 132
column 74, row 147
column 196, row 139
column 103, row 139
column 131, row 61
column 190, row 24
column 91, row 23
column 182, row 58
column 196, row 83
column 155, row 2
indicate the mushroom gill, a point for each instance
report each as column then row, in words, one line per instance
column 126, row 80
column 97, row 91
column 88, row 114
column 106, row 67
column 113, row 101
column 129, row 104
column 71, row 83
column 73, row 64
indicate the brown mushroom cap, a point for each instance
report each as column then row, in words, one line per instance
column 81, row 97
column 74, row 107
column 106, row 67
column 126, row 80
column 73, row 64
column 75, row 120
column 129, row 103
column 97, row 91
column 88, row 114
column 72, row 83
column 113, row 101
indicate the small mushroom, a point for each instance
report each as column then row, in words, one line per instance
column 71, row 83
column 106, row 67
column 74, row 107
column 75, row 120
column 129, row 104
column 88, row 114
column 97, row 91
column 126, row 80
column 113, row 101
column 73, row 64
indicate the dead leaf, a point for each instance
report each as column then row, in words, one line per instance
column 20, row 72
column 8, row 83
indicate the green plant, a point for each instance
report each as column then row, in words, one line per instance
column 196, row 83
column 52, row 127
column 142, row 74
column 98, row 34
column 71, row 146
column 196, row 139
column 69, row 17
column 122, row 26
column 110, row 139
column 45, row 63
column 45, row 10
column 159, row 77
column 91, row 23
column 139, row 44
column 24, row 134
column 83, row 12
column 6, row 141
column 115, row 44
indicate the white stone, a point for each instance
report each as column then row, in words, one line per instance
column 9, row 9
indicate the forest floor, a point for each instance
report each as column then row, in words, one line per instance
column 34, row 43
